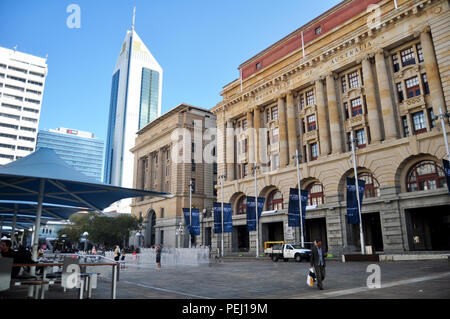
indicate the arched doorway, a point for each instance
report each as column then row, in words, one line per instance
column 150, row 231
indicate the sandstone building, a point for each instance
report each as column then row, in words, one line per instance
column 377, row 68
column 158, row 166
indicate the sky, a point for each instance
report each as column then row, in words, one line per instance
column 198, row 43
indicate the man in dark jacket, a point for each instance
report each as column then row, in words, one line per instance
column 318, row 262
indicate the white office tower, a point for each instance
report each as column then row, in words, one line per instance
column 135, row 101
column 22, row 79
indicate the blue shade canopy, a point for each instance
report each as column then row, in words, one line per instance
column 20, row 181
column 26, row 211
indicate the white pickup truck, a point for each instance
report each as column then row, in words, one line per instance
column 288, row 251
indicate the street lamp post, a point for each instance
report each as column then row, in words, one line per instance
column 190, row 211
column 222, row 177
column 441, row 116
column 361, row 234
column 85, row 235
column 255, row 168
column 297, row 156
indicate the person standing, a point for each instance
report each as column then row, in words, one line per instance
column 158, row 255
column 117, row 253
column 318, row 262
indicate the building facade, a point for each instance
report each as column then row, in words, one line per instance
column 377, row 68
column 170, row 153
column 136, row 93
column 79, row 149
column 22, row 82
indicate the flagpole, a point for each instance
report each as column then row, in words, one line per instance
column 303, row 45
column 297, row 156
column 361, row 234
column 444, row 130
column 221, row 189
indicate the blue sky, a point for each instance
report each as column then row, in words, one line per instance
column 198, row 43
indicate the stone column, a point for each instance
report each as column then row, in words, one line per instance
column 292, row 130
column 282, row 130
column 431, row 67
column 372, row 110
column 387, row 108
column 230, row 147
column 251, row 145
column 324, row 133
column 257, row 137
column 335, row 125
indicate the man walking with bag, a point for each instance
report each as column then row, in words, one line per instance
column 318, row 262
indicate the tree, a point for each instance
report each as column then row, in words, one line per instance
column 108, row 231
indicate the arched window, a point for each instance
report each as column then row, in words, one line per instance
column 372, row 187
column 275, row 200
column 425, row 175
column 241, row 207
column 315, row 194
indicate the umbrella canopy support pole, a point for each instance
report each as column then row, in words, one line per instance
column 13, row 228
column 37, row 224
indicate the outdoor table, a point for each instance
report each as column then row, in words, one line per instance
column 46, row 265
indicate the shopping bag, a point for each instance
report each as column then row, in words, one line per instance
column 309, row 281
column 312, row 273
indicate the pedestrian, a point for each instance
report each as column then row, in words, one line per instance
column 158, row 255
column 117, row 253
column 318, row 262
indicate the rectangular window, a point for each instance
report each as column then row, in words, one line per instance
column 258, row 65
column 412, row 87
column 419, row 52
column 431, row 117
column 346, row 114
column 353, row 79
column 408, row 57
column 395, row 62
column 193, row 185
column 419, row 123
column 268, row 115
column 314, row 151
column 275, row 136
column 426, row 88
column 312, row 123
column 193, row 166
column 302, row 102
column 245, row 169
column 356, row 107
column 274, row 113
column 400, row 92
column 318, row 30
column 405, row 126
column 244, row 125
column 344, row 84
column 303, row 126
column 276, row 161
column 310, row 97
column 361, row 138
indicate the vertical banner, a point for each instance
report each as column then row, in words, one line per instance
column 195, row 229
column 251, row 211
column 217, row 207
column 227, row 218
column 447, row 172
column 293, row 209
column 352, row 201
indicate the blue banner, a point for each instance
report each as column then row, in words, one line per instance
column 352, row 201
column 447, row 172
column 293, row 209
column 195, row 229
column 251, row 212
column 227, row 217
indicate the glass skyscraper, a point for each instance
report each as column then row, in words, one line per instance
column 79, row 149
column 136, row 91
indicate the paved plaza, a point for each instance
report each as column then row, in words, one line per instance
column 263, row 279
